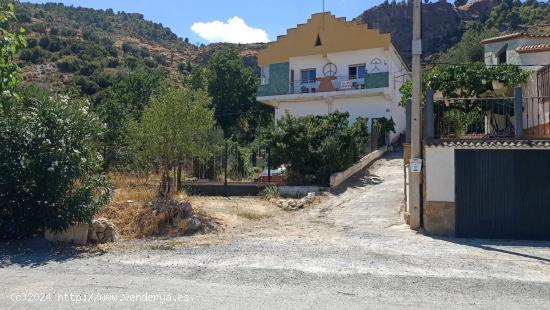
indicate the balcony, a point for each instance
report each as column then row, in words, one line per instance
column 278, row 87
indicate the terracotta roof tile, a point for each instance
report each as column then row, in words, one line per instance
column 514, row 36
column 534, row 48
column 494, row 143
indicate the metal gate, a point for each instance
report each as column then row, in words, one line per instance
column 502, row 194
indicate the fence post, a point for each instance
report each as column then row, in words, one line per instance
column 408, row 122
column 268, row 165
column 518, row 111
column 225, row 169
column 429, row 115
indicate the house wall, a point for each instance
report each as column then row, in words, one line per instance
column 370, row 107
column 342, row 60
column 513, row 57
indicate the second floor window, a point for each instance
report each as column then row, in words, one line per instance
column 309, row 76
column 265, row 75
column 357, row 72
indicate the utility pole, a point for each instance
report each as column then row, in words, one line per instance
column 416, row 146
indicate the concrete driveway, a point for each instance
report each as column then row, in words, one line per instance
column 350, row 252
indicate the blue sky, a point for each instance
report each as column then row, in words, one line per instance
column 206, row 21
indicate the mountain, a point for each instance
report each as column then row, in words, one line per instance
column 443, row 24
column 68, row 45
column 87, row 48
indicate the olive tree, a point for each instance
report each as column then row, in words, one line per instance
column 172, row 126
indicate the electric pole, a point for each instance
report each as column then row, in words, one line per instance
column 416, row 146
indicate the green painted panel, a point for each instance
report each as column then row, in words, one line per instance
column 278, row 81
column 377, row 80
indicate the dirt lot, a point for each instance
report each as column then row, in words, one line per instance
column 351, row 251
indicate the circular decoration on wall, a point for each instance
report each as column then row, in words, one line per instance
column 330, row 69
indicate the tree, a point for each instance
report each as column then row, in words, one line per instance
column 468, row 48
column 314, row 147
column 10, row 43
column 458, row 3
column 172, row 126
column 50, row 170
column 232, row 87
column 122, row 103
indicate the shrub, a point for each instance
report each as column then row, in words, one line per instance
column 86, row 85
column 70, row 64
column 161, row 59
column 50, row 170
column 34, row 55
column 314, row 147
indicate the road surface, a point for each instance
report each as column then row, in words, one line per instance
column 352, row 251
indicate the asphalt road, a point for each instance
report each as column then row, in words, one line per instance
column 350, row 252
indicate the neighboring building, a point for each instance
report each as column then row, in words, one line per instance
column 532, row 52
column 329, row 64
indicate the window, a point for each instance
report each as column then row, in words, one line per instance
column 501, row 55
column 309, row 76
column 357, row 72
column 265, row 75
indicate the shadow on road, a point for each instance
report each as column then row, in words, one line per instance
column 363, row 178
column 500, row 246
column 37, row 252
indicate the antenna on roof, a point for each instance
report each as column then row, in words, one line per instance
column 323, row 21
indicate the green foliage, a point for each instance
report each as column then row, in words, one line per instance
column 10, row 42
column 121, row 103
column 457, row 122
column 269, row 192
column 50, row 171
column 513, row 15
column 314, row 147
column 232, row 87
column 173, row 125
column 96, row 23
column 468, row 49
column 466, row 81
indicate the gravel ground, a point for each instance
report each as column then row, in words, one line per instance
column 351, row 251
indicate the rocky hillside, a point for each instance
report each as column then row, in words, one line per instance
column 68, row 45
column 443, row 24
column 87, row 47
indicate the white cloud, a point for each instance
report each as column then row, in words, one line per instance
column 235, row 30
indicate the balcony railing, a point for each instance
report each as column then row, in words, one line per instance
column 340, row 83
column 337, row 84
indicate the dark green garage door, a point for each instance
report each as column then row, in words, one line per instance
column 503, row 194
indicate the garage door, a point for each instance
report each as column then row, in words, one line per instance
column 503, row 194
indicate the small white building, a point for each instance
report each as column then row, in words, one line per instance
column 330, row 64
column 531, row 52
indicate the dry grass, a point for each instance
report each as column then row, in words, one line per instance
column 130, row 213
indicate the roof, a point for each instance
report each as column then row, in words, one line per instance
column 536, row 48
column 512, row 36
column 489, row 143
column 333, row 35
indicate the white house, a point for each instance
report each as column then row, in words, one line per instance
column 531, row 52
column 330, row 64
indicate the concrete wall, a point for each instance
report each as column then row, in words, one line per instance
column 439, row 191
column 440, row 174
column 339, row 177
column 297, row 191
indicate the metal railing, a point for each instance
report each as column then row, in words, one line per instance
column 340, row 83
column 474, row 118
column 487, row 118
column 536, row 117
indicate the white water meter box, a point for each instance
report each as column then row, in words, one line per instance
column 416, row 165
